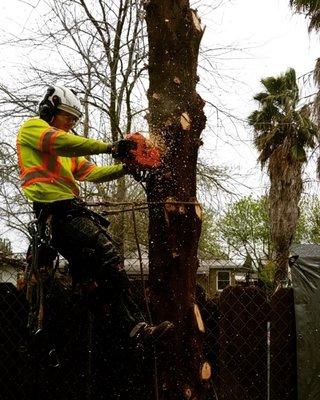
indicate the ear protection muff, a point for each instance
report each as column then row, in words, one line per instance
column 48, row 108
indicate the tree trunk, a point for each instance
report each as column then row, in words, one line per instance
column 284, row 196
column 176, row 120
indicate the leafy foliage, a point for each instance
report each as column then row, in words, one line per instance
column 5, row 247
column 245, row 229
column 210, row 242
column 310, row 206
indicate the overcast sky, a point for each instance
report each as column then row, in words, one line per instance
column 267, row 39
column 272, row 39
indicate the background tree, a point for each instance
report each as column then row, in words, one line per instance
column 244, row 229
column 5, row 248
column 13, row 206
column 210, row 243
column 283, row 134
column 310, row 207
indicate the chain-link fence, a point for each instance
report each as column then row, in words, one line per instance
column 249, row 340
column 256, row 354
column 75, row 356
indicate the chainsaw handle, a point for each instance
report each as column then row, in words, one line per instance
column 122, row 148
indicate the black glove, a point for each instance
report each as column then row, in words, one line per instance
column 122, row 148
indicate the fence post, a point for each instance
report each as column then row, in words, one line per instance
column 283, row 354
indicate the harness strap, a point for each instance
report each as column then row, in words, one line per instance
column 72, row 206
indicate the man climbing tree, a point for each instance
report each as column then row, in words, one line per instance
column 176, row 120
column 51, row 159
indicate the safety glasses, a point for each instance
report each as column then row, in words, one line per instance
column 69, row 117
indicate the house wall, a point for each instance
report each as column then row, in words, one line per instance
column 207, row 281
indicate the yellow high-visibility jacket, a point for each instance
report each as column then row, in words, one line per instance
column 51, row 160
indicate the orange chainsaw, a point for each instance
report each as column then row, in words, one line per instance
column 144, row 156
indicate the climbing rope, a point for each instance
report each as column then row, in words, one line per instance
column 155, row 357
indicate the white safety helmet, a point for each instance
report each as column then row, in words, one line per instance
column 59, row 98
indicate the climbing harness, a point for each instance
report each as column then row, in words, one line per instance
column 42, row 263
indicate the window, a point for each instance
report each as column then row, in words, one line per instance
column 223, row 279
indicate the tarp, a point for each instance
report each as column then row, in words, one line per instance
column 305, row 270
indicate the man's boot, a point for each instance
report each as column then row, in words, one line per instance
column 134, row 323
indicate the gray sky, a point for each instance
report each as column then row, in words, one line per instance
column 272, row 39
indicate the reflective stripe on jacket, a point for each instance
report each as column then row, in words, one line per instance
column 51, row 160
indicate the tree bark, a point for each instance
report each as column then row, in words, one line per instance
column 285, row 192
column 176, row 120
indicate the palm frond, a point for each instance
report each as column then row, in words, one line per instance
column 298, row 152
column 273, row 85
column 316, row 72
column 311, row 9
column 279, row 123
column 318, row 167
column 305, row 6
column 316, row 108
column 260, row 97
column 315, row 21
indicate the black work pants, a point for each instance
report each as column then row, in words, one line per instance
column 81, row 237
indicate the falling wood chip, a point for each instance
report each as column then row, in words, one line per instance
column 198, row 210
column 156, row 96
column 182, row 210
column 196, row 20
column 205, row 372
column 185, row 121
column 170, row 204
column 198, row 317
column 168, row 122
column 176, row 80
column 188, row 393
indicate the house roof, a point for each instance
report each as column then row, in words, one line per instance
column 306, row 250
column 132, row 266
column 222, row 264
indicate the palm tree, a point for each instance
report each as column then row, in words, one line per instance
column 311, row 8
column 283, row 133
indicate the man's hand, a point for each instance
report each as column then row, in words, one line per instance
column 122, row 149
column 138, row 154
